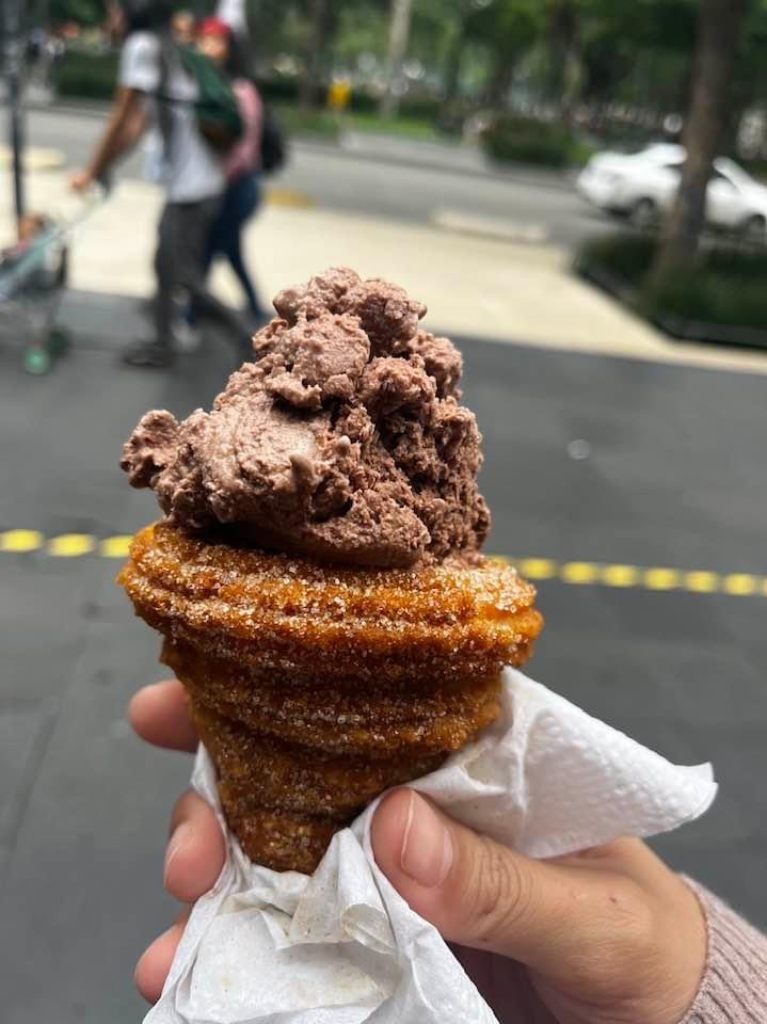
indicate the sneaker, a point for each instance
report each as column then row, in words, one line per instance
column 186, row 337
column 149, row 355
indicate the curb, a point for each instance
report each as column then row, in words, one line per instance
column 497, row 229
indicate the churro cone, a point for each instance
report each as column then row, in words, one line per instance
column 316, row 688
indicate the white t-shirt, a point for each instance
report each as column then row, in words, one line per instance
column 192, row 171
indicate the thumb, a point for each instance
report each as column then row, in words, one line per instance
column 479, row 893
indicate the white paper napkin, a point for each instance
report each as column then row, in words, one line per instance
column 342, row 947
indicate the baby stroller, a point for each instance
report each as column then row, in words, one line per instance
column 33, row 278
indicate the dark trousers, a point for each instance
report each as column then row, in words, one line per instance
column 241, row 200
column 180, row 265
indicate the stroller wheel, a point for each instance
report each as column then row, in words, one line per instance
column 37, row 361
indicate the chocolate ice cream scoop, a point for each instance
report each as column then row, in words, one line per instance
column 345, row 440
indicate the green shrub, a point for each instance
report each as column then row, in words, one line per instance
column 421, row 108
column 307, row 122
column 626, row 256
column 279, row 88
column 725, row 286
column 708, row 296
column 87, row 75
column 362, row 102
column 522, row 140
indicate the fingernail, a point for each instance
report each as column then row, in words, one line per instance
column 177, row 843
column 427, row 847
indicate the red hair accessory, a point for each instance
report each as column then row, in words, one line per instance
column 213, row 27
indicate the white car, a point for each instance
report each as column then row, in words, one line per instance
column 643, row 186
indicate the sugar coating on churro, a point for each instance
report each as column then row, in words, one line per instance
column 315, row 688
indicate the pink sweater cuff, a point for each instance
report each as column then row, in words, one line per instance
column 734, row 985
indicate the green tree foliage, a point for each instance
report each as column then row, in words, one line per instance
column 84, row 12
column 507, row 29
column 600, row 52
column 647, row 43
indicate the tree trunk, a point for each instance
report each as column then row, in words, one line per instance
column 399, row 33
column 309, row 84
column 564, row 55
column 501, row 79
column 717, row 43
column 453, row 64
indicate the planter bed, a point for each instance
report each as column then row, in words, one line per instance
column 736, row 279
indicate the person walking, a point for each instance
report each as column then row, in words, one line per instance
column 242, row 165
column 184, row 27
column 153, row 81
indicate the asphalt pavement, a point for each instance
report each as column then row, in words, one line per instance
column 667, row 472
column 388, row 178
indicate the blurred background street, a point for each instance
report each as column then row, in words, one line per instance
column 624, row 468
column 399, row 179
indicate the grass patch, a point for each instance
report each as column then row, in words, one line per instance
column 317, row 123
column 404, row 126
column 324, row 124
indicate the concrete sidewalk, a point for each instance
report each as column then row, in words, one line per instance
column 478, row 287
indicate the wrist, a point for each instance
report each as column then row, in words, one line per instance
column 690, row 949
column 734, row 974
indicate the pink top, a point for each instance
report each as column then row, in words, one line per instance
column 245, row 156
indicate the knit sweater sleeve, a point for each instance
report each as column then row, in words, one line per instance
column 734, row 985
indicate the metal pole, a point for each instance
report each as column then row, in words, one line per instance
column 13, row 59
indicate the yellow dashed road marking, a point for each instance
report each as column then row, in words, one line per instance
column 115, row 547
column 21, row 540
column 537, row 568
column 701, row 582
column 579, row 572
column 620, row 575
column 662, row 579
column 289, row 197
column 697, row 581
column 740, row 584
column 71, row 545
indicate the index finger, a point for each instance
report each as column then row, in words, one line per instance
column 160, row 715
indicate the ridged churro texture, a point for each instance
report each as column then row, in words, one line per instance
column 315, row 688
